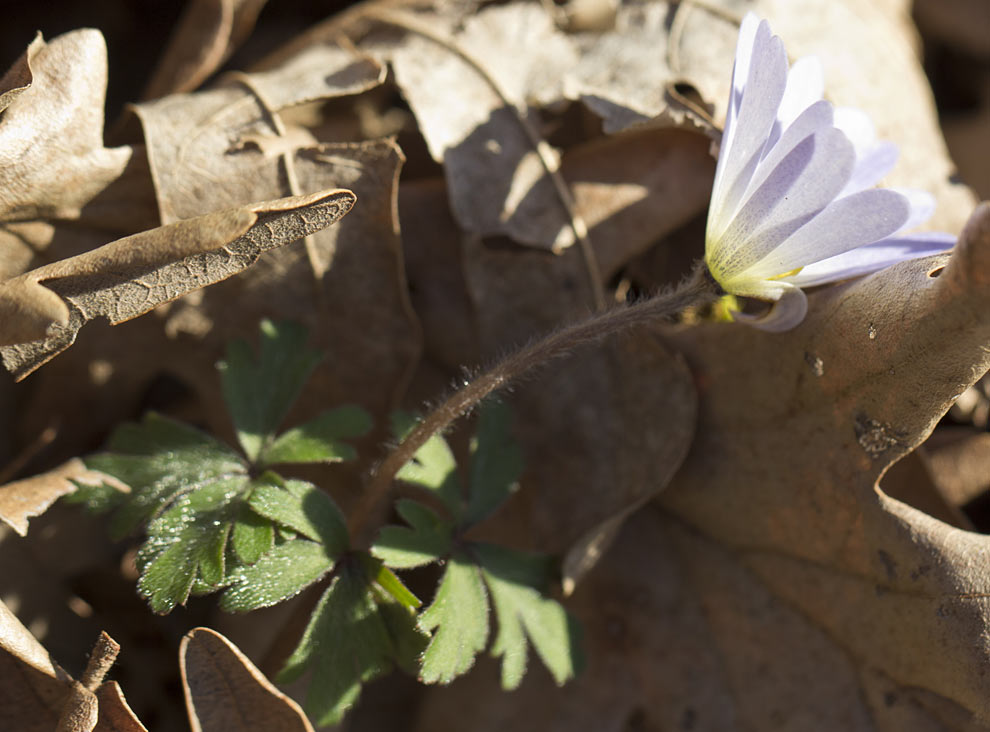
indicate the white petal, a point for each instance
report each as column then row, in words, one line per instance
column 816, row 117
column 844, row 224
column 922, row 207
column 872, row 163
column 805, row 86
column 741, row 151
column 786, row 313
column 872, row 258
column 797, row 189
column 857, row 126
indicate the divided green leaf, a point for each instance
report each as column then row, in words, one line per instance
column 426, row 540
column 319, row 440
column 285, row 571
column 259, row 390
column 160, row 459
column 496, row 463
column 356, row 633
column 459, row 615
column 302, row 508
column 433, row 468
column 517, row 583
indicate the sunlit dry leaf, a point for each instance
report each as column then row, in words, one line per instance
column 202, row 146
column 43, row 309
column 774, row 559
column 23, row 499
column 19, row 76
column 469, row 94
column 34, row 685
column 209, row 31
column 225, row 692
column 52, row 159
column 115, row 713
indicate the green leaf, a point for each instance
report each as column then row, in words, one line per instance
column 259, row 391
column 433, row 467
column 319, row 440
column 188, row 541
column 96, row 498
column 160, row 459
column 252, row 537
column 285, row 571
column 303, row 508
column 496, row 463
column 428, row 539
column 515, row 582
column 459, row 614
column 349, row 641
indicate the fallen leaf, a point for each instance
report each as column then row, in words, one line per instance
column 225, row 692
column 775, row 564
column 44, row 308
column 22, row 499
column 202, row 147
column 208, row 32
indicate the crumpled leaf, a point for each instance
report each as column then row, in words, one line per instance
column 36, row 689
column 43, row 309
column 22, row 499
column 52, row 159
column 225, row 692
column 208, row 32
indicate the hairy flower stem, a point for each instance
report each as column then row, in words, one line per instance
column 698, row 289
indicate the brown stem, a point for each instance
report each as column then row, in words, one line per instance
column 698, row 289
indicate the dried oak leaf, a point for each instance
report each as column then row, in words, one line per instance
column 208, row 32
column 42, row 310
column 774, row 584
column 61, row 191
column 225, row 692
column 22, row 499
column 204, row 149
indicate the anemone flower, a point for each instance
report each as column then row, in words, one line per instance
column 793, row 204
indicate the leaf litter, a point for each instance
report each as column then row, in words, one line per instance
column 771, row 579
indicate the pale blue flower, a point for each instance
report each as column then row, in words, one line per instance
column 793, row 203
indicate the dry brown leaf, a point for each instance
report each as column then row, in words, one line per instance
column 225, row 692
column 19, row 76
column 52, row 159
column 208, row 32
column 469, row 90
column 202, row 147
column 32, row 496
column 115, row 713
column 961, row 465
column 773, row 585
column 43, row 309
column 36, row 691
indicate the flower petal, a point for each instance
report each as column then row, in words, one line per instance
column 857, row 126
column 805, row 86
column 844, row 224
column 872, row 164
column 922, row 207
column 816, row 117
column 804, row 182
column 786, row 313
column 872, row 258
column 764, row 62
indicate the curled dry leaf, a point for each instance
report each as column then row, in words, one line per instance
column 209, row 31
column 32, row 496
column 225, row 692
column 43, row 309
column 36, row 691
